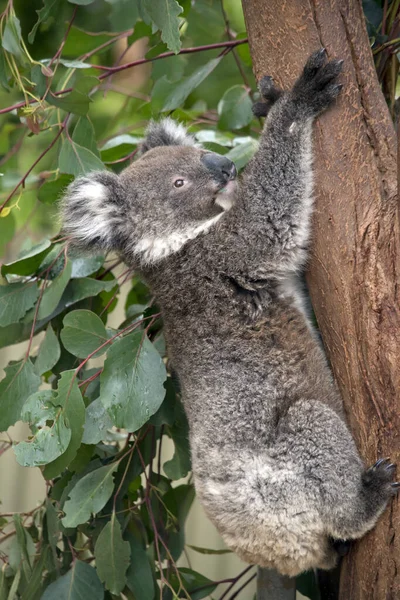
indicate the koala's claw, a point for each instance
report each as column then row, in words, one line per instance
column 269, row 94
column 316, row 88
column 395, row 487
column 379, row 476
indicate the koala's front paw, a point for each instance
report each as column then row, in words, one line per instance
column 379, row 478
column 269, row 93
column 316, row 88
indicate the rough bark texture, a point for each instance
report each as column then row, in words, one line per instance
column 354, row 270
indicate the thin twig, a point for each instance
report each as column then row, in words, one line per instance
column 141, row 61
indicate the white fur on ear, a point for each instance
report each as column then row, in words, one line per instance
column 166, row 132
column 90, row 210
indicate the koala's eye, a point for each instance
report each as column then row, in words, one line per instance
column 179, row 183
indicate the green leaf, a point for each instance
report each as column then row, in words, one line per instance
column 84, row 135
column 18, row 384
column 243, row 49
column 50, row 8
column 25, row 546
column 83, row 333
column 164, row 13
column 112, row 556
column 242, row 153
column 69, row 397
column 34, row 582
column 84, row 266
column 179, row 465
column 77, row 160
column 78, row 100
column 49, row 352
column 52, row 294
column 51, row 191
column 51, row 435
column 124, row 14
column 118, row 147
column 15, row 300
column 97, row 423
column 139, row 575
column 28, row 261
column 132, row 381
column 235, row 108
column 52, row 524
column 177, row 96
column 89, row 495
column 80, row 583
column 79, row 289
column 11, row 39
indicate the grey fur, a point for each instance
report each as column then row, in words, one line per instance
column 275, row 466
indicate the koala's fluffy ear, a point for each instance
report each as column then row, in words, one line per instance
column 92, row 211
column 166, row 133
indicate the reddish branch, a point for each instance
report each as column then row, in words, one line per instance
column 135, row 63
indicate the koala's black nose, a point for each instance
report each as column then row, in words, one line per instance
column 221, row 167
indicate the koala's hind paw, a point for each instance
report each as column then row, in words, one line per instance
column 316, row 88
column 380, row 476
column 269, row 93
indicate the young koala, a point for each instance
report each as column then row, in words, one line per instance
column 275, row 466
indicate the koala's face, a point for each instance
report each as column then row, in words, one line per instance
column 173, row 193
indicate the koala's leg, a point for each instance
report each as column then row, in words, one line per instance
column 278, row 180
column 357, row 515
column 351, row 497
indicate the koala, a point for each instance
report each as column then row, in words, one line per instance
column 274, row 464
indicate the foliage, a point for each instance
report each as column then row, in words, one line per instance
column 99, row 399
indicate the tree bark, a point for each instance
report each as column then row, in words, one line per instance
column 354, row 269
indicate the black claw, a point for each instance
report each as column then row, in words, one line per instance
column 321, row 52
column 390, row 467
column 380, row 462
column 395, row 485
column 340, row 62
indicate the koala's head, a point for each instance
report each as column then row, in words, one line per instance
column 173, row 193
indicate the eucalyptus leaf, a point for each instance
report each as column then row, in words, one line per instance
column 15, row 300
column 28, row 260
column 164, row 13
column 52, row 294
column 180, row 91
column 51, row 434
column 139, row 575
column 11, row 39
column 89, row 495
column 132, row 381
column 70, row 398
column 80, row 583
column 18, row 384
column 77, row 160
column 83, row 332
column 112, row 556
column 235, row 108
column 97, row 423
column 49, row 352
column 51, row 191
column 50, row 9
column 242, row 153
column 84, row 266
column 85, row 136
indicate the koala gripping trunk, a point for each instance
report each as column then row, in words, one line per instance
column 353, row 274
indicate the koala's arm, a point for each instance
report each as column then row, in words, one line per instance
column 277, row 184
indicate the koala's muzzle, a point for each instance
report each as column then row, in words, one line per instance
column 221, row 168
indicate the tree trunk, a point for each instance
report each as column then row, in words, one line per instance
column 354, row 271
